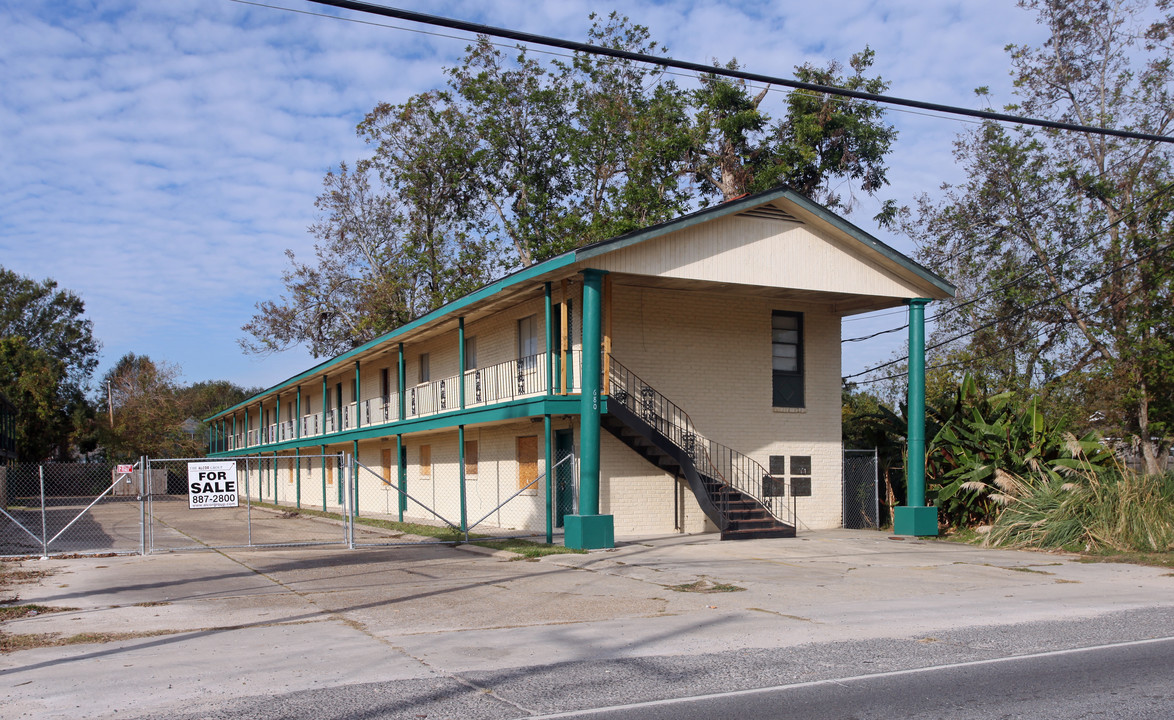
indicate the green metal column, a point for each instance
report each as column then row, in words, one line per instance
column 914, row 518
column 325, row 404
column 590, row 530
column 461, row 461
column 549, row 437
column 549, row 331
column 461, row 359
column 298, row 473
column 298, row 419
column 401, row 475
column 358, row 387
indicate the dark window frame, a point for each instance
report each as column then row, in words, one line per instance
column 787, row 382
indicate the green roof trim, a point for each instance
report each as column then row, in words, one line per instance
column 486, row 291
column 610, row 245
column 509, row 410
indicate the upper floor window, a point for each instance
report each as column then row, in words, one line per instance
column 425, row 373
column 528, row 336
column 470, row 353
column 787, row 359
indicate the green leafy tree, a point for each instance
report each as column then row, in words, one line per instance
column 819, row 139
column 49, row 354
column 35, row 383
column 1060, row 242
column 518, row 161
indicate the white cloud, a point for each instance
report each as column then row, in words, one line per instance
column 160, row 156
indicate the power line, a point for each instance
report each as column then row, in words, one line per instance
column 1038, row 266
column 1021, row 311
column 1005, row 348
column 547, row 40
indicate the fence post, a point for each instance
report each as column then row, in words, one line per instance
column 144, row 490
column 44, row 525
column 461, row 479
column 349, row 523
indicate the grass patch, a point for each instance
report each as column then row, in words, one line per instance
column 528, row 548
column 13, row 612
column 12, row 643
column 1163, row 559
column 1117, row 511
column 13, row 575
column 439, row 532
column 705, row 586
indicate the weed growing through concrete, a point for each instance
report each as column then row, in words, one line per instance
column 705, row 586
column 528, row 548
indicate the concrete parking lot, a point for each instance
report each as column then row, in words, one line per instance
column 438, row 631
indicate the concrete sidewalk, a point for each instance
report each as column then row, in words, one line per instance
column 241, row 624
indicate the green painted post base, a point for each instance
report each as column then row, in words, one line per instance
column 589, row 532
column 916, row 521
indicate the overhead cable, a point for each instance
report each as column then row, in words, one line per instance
column 547, row 40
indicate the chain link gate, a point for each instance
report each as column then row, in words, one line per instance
column 861, row 498
column 70, row 508
column 278, row 502
column 272, row 501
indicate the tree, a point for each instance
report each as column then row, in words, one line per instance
column 151, row 408
column 1060, row 242
column 33, row 381
column 47, row 358
column 51, row 320
column 820, row 137
column 518, row 161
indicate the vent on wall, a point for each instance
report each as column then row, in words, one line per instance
column 770, row 212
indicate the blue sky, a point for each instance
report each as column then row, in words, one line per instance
column 159, row 157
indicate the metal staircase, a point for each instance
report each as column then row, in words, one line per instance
column 733, row 490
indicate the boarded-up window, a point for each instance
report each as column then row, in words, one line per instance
column 329, row 463
column 386, row 462
column 470, row 459
column 528, row 462
column 425, row 461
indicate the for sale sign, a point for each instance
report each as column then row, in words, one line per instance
column 212, row 484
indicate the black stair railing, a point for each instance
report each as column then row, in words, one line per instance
column 726, row 468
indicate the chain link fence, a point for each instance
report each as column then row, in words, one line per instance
column 68, row 508
column 161, row 505
column 433, row 503
column 251, row 501
column 861, row 499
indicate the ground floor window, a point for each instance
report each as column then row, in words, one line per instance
column 527, row 462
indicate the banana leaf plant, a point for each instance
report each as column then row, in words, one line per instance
column 987, row 450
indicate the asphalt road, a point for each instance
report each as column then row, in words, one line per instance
column 1129, row 680
column 1032, row 671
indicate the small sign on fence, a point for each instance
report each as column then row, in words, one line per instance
column 212, row 485
column 125, row 469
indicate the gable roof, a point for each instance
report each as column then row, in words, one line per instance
column 611, row 245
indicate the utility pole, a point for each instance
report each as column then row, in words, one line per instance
column 110, row 404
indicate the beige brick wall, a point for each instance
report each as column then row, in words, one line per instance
column 711, row 354
column 641, row 496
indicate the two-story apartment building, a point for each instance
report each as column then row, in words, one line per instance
column 691, row 370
